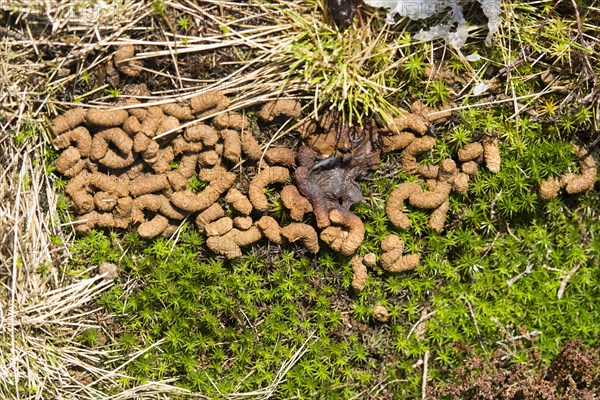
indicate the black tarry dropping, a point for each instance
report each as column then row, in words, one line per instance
column 342, row 11
column 330, row 161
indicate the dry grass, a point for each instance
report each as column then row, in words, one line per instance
column 42, row 310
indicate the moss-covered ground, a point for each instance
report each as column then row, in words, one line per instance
column 489, row 279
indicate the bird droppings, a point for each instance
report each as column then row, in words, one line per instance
column 297, row 204
column 359, row 268
column 370, row 260
column 108, row 271
column 381, row 313
column 393, row 258
column 256, row 189
column 284, row 107
column 304, row 233
column 123, row 60
column 491, row 154
column 572, row 183
column 124, row 172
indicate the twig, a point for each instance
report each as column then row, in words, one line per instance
column 382, row 385
column 511, row 339
column 563, row 284
column 269, row 391
column 489, row 247
column 424, row 383
column 527, row 271
column 474, row 319
column 423, row 318
column 589, row 69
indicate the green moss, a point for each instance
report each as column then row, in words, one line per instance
column 217, row 320
column 493, row 274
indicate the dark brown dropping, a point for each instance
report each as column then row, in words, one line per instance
column 330, row 182
column 342, row 11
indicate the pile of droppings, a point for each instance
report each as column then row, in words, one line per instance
column 139, row 166
column 133, row 168
column 409, row 135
